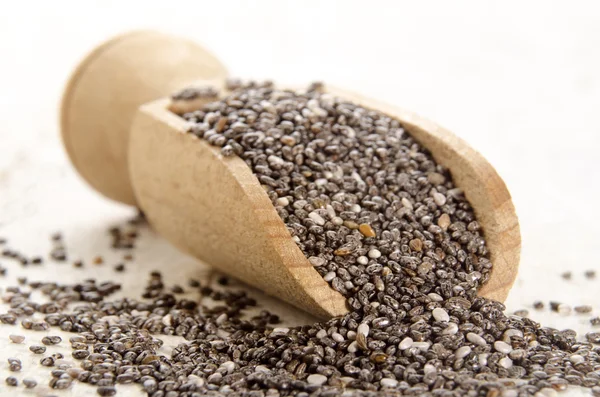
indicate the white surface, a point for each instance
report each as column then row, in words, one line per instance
column 519, row 80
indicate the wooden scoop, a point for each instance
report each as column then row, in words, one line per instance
column 213, row 207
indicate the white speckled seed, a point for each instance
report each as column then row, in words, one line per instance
column 405, row 343
column 423, row 346
column 406, row 203
column 283, row 201
column 318, row 219
column 451, row 329
column 374, row 254
column 353, row 347
column 576, row 359
column 316, row 261
column 476, row 339
column 329, row 276
column 462, row 352
column 439, row 198
column 316, row 379
column 440, row 314
column 229, row 366
column 435, row 297
column 362, row 260
column 388, row 382
column 363, row 329
column 337, row 337
column 502, row 347
column 505, row 362
column 482, row 358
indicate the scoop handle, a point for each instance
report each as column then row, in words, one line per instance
column 105, row 92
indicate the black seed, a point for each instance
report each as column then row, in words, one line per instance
column 12, row 381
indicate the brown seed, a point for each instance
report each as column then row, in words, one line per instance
column 444, row 221
column 493, row 393
column 361, row 341
column 98, row 260
column 149, row 359
column 416, row 244
column 378, row 357
column 351, row 225
column 559, row 386
column 366, row 230
column 342, row 252
column 220, row 126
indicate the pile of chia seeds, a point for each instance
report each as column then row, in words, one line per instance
column 379, row 220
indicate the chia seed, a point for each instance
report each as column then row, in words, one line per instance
column 51, row 340
column 12, row 381
column 37, row 349
column 16, row 338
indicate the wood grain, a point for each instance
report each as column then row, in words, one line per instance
column 105, row 91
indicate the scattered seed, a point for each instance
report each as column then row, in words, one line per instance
column 120, row 267
column 37, row 349
column 51, row 340
column 583, row 309
column 12, row 381
column 16, row 338
column 14, row 364
column 593, row 337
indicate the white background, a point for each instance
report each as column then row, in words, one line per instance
column 519, row 80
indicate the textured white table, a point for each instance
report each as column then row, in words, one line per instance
column 519, row 80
